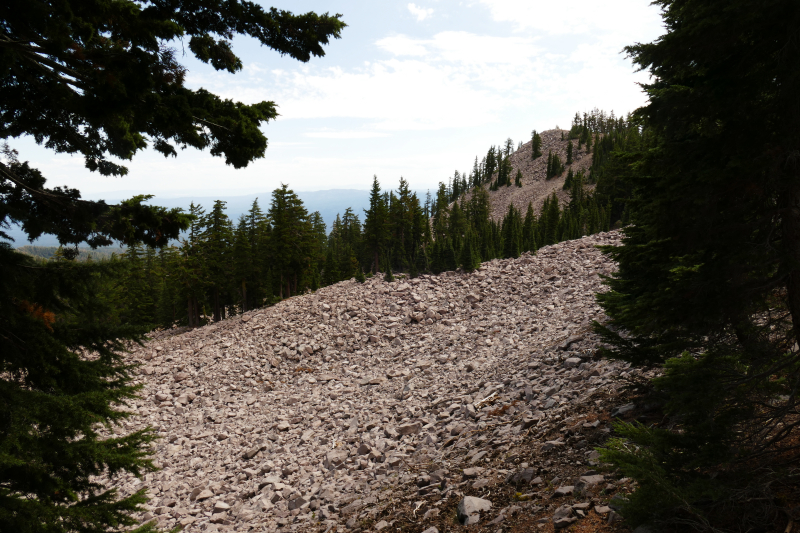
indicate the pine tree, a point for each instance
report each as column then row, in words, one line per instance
column 568, row 181
column 243, row 264
column 376, row 226
column 292, row 241
column 569, row 153
column 217, row 237
column 536, row 145
column 529, row 230
column 512, row 233
column 468, row 259
column 388, row 276
column 708, row 281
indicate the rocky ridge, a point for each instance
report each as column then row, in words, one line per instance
column 368, row 405
column 535, row 187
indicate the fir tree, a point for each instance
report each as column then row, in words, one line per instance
column 376, row 226
column 708, row 280
column 468, row 259
column 529, row 230
column 536, row 145
column 569, row 153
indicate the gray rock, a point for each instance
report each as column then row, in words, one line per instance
column 563, row 517
column 622, row 409
column 409, row 429
column 469, row 509
column 335, row 458
column 565, row 490
column 472, row 473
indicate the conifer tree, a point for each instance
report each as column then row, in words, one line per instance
column 529, row 230
column 292, row 241
column 512, row 233
column 536, row 145
column 518, row 178
column 569, row 153
column 217, row 237
column 568, row 181
column 376, row 226
column 708, row 281
column 468, row 259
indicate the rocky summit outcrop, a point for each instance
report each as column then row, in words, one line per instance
column 362, row 405
column 535, row 185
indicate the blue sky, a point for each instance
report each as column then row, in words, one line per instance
column 411, row 89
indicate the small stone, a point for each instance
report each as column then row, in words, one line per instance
column 204, row 495
column 381, row 525
column 549, row 445
column 602, row 509
column 480, row 483
column 564, row 490
column 469, row 509
column 220, row 507
column 249, row 454
column 593, row 479
column 622, row 409
column 472, row 473
column 430, row 514
column 409, row 429
column 335, row 458
column 563, row 517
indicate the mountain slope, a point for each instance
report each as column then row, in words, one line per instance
column 335, row 407
column 535, row 188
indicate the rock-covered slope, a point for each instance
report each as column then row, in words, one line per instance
column 535, row 187
column 332, row 409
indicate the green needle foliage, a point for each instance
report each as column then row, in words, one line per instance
column 709, row 273
column 99, row 79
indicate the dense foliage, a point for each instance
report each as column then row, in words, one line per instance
column 98, row 78
column 709, row 280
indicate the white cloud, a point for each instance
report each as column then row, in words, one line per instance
column 420, row 12
column 632, row 20
column 345, row 134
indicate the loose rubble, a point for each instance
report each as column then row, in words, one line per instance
column 361, row 404
column 535, row 185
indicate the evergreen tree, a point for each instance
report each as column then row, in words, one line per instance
column 243, row 264
column 468, row 259
column 217, row 237
column 518, row 178
column 376, row 226
column 536, row 145
column 529, row 230
column 568, row 181
column 569, row 153
column 292, row 241
column 512, row 233
column 708, row 271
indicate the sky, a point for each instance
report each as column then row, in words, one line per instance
column 412, row 89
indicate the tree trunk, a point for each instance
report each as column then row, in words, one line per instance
column 244, row 296
column 217, row 316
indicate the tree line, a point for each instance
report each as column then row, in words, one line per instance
column 219, row 267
